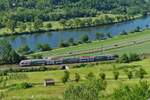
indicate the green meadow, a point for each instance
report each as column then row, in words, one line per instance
column 138, row 48
column 39, row 92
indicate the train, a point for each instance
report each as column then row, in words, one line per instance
column 84, row 59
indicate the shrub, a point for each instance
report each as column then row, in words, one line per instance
column 37, row 56
column 84, row 91
column 102, row 76
column 124, row 58
column 134, row 57
column 23, row 85
column 77, row 77
column 136, row 92
column 140, row 73
column 90, row 76
column 66, row 76
column 116, row 75
column 129, row 74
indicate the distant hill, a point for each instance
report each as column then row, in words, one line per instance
column 50, row 10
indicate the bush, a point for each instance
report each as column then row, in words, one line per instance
column 77, row 77
column 140, row 73
column 90, row 76
column 85, row 91
column 80, row 65
column 24, row 85
column 37, row 56
column 66, row 77
column 116, row 75
column 124, row 58
column 134, row 57
column 136, row 92
column 64, row 44
column 102, row 76
column 3, row 73
column 129, row 58
column 128, row 73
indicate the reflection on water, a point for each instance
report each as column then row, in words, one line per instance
column 54, row 38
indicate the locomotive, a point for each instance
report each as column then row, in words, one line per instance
column 37, row 62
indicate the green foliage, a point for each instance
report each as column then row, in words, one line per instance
column 85, row 38
column 116, row 75
column 43, row 47
column 11, row 25
column 140, row 73
column 77, row 77
column 62, row 44
column 134, row 57
column 71, row 41
column 85, row 91
column 23, row 27
column 7, row 54
column 100, row 36
column 24, row 49
column 66, row 76
column 90, row 76
column 129, row 73
column 23, row 85
column 38, row 24
column 48, row 25
column 102, row 76
column 124, row 58
column 136, row 92
column 129, row 58
column 37, row 56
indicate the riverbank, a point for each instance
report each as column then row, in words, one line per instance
column 111, row 42
column 68, row 24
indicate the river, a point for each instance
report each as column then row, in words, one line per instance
column 54, row 38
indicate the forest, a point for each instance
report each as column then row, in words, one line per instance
column 54, row 10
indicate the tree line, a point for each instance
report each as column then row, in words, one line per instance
column 14, row 13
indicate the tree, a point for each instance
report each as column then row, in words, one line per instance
column 11, row 25
column 38, row 24
column 102, row 76
column 116, row 75
column 129, row 74
column 48, row 25
column 71, row 41
column 97, row 36
column 100, row 36
column 140, row 73
column 23, row 27
column 62, row 44
column 134, row 57
column 66, row 76
column 84, row 91
column 43, row 47
column 109, row 35
column 90, row 76
column 138, row 91
column 24, row 49
column 85, row 38
column 124, row 58
column 77, row 77
column 7, row 54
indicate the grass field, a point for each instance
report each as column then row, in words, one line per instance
column 138, row 48
column 39, row 92
column 56, row 25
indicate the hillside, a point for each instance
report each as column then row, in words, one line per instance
column 39, row 92
column 21, row 16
